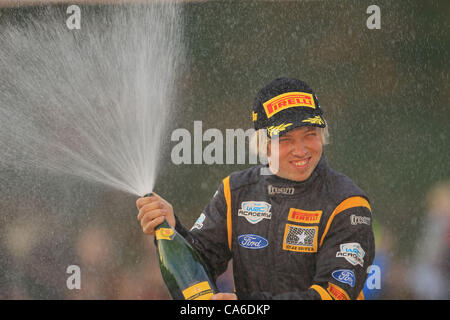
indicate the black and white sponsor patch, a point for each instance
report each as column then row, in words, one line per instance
column 300, row 238
column 354, row 220
column 273, row 190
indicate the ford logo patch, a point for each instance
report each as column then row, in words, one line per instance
column 345, row 276
column 252, row 241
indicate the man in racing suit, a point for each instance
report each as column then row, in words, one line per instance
column 302, row 233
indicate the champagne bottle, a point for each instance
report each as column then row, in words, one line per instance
column 182, row 268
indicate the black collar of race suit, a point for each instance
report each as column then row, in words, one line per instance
column 277, row 186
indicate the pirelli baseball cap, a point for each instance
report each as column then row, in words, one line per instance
column 286, row 104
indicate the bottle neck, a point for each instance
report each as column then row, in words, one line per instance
column 164, row 224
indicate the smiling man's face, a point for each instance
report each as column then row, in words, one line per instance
column 299, row 153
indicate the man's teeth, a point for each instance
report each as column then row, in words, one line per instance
column 301, row 163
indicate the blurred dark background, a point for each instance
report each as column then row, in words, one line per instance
column 385, row 94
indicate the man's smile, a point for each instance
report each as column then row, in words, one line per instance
column 301, row 163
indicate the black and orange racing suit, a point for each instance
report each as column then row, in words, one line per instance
column 288, row 240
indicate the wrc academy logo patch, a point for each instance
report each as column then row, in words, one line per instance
column 255, row 211
column 199, row 223
column 352, row 252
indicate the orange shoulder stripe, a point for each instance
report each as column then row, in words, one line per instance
column 227, row 193
column 360, row 296
column 348, row 203
column 324, row 295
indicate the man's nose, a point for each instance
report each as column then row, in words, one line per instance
column 299, row 150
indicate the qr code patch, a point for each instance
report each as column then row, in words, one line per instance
column 299, row 238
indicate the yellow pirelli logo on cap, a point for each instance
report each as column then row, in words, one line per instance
column 288, row 100
column 199, row 291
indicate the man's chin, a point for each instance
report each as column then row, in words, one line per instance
column 294, row 176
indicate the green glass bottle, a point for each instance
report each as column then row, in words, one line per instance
column 182, row 268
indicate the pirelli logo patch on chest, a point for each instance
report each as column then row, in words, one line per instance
column 300, row 238
column 303, row 216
